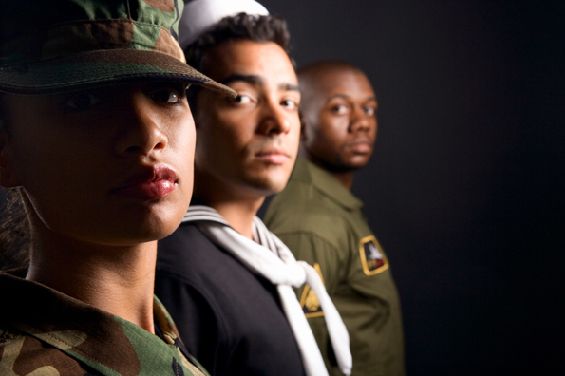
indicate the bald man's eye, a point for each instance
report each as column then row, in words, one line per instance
column 370, row 110
column 339, row 109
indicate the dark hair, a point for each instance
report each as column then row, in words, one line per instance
column 15, row 239
column 242, row 26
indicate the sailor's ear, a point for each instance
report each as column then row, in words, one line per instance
column 302, row 126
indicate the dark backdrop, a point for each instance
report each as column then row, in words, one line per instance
column 465, row 189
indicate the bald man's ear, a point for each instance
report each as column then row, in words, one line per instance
column 7, row 173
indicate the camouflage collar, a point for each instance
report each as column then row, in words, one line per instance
column 97, row 339
column 304, row 170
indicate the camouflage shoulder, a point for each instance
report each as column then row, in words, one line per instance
column 21, row 354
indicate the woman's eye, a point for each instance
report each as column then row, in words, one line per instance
column 80, row 102
column 168, row 95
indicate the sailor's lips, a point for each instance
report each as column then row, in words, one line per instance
column 273, row 156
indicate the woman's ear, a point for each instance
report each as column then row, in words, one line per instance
column 7, row 169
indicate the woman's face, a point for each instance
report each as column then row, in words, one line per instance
column 110, row 166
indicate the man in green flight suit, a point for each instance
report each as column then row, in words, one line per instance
column 97, row 142
column 322, row 222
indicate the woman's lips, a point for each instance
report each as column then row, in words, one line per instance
column 152, row 184
column 150, row 190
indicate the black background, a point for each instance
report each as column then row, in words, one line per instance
column 465, row 190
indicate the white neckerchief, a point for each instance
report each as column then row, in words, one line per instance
column 269, row 257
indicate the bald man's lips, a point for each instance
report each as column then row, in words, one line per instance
column 273, row 156
column 362, row 146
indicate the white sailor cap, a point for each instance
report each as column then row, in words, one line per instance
column 200, row 15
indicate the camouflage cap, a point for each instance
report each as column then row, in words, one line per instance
column 50, row 46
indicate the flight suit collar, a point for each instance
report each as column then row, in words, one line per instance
column 325, row 183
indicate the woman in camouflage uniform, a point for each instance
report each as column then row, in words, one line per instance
column 98, row 138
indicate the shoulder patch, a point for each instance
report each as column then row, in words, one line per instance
column 373, row 259
column 308, row 299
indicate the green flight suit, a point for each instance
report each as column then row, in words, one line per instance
column 45, row 332
column 322, row 223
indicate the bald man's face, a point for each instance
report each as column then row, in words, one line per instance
column 340, row 124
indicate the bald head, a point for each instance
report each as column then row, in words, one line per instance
column 338, row 109
column 313, row 77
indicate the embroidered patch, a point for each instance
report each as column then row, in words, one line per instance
column 308, row 299
column 373, row 259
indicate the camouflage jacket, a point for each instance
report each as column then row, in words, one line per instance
column 45, row 332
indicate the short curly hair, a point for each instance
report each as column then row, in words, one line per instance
column 242, row 26
column 15, row 232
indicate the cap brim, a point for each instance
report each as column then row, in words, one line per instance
column 100, row 67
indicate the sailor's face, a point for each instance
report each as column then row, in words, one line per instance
column 112, row 165
column 249, row 143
